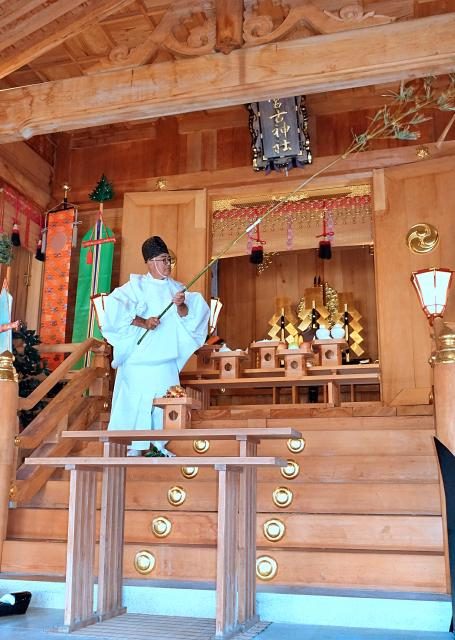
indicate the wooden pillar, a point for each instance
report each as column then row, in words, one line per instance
column 227, row 542
column 246, row 562
column 110, row 571
column 444, row 407
column 8, row 431
column 80, row 553
column 443, row 360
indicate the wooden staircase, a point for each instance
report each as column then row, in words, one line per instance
column 363, row 507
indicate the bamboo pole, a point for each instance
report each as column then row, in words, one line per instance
column 8, row 431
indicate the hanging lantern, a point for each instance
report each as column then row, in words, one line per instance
column 432, row 287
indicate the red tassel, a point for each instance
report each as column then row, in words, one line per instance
column 39, row 255
column 15, row 237
column 89, row 257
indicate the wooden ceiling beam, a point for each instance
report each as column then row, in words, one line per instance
column 311, row 65
column 49, row 32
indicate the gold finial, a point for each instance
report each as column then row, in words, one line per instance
column 66, row 187
column 176, row 496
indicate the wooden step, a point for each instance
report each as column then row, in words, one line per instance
column 361, row 532
column 343, row 498
column 315, row 469
column 395, row 571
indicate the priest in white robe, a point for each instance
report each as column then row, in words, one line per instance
column 146, row 370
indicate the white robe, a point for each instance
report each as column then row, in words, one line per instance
column 146, row 371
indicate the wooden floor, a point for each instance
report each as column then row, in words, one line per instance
column 138, row 626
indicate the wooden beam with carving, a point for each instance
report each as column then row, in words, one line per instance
column 28, row 32
column 326, row 63
column 229, row 25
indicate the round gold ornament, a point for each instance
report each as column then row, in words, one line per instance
column 266, row 568
column 282, row 497
column 189, row 472
column 422, row 238
column 176, row 496
column 144, row 562
column 274, row 529
column 201, row 446
column 291, row 471
column 296, row 445
column 161, row 527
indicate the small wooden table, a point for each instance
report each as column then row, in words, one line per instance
column 236, row 548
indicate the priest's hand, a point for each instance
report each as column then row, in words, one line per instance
column 179, row 301
column 151, row 323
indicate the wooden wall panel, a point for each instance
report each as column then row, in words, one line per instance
column 422, row 193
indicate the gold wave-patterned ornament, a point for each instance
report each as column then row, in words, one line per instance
column 286, row 330
column 332, row 313
column 422, row 238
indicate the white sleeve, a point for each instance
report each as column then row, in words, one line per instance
column 121, row 307
column 192, row 331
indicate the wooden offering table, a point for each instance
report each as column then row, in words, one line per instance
column 331, row 382
column 267, row 353
column 236, row 546
column 329, row 352
column 229, row 366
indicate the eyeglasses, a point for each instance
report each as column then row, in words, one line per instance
column 167, row 260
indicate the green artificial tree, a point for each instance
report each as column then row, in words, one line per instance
column 31, row 370
column 103, row 191
column 6, row 249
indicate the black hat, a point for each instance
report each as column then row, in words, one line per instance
column 153, row 247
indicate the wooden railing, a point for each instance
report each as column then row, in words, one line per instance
column 77, row 406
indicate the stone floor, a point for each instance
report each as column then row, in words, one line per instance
column 37, row 624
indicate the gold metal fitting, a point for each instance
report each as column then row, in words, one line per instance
column 274, row 529
column 17, row 441
column 161, row 527
column 105, row 405
column 282, row 497
column 445, row 352
column 7, row 370
column 296, row 445
column 161, row 184
column 144, row 562
column 13, row 492
column 189, row 472
column 291, row 471
column 266, row 568
column 176, row 496
column 201, row 446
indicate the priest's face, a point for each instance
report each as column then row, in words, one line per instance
column 160, row 266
